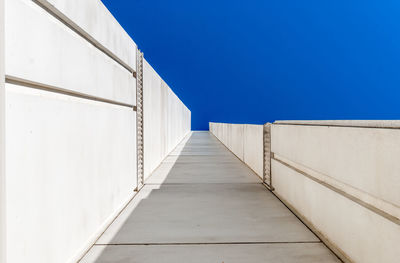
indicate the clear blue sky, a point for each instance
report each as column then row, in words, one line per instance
column 264, row 60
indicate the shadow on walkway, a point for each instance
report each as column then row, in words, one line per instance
column 202, row 204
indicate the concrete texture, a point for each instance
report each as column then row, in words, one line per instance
column 57, row 56
column 254, row 147
column 355, row 157
column 239, row 253
column 245, row 141
column 361, row 234
column 68, row 128
column 362, row 164
column 93, row 18
column 236, row 140
column 70, row 166
column 180, row 172
column 187, row 218
column 166, row 119
column 208, row 213
column 351, row 165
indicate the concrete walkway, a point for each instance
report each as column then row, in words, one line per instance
column 204, row 205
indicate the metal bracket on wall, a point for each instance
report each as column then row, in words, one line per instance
column 139, row 120
column 267, row 174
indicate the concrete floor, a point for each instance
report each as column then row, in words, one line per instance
column 204, row 205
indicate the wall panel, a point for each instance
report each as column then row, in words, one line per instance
column 42, row 49
column 70, row 166
column 244, row 140
column 358, row 157
column 363, row 235
column 343, row 177
column 70, row 126
column 166, row 119
column 254, row 148
column 93, row 18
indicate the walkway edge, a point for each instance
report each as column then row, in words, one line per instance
column 92, row 241
column 335, row 250
column 332, row 247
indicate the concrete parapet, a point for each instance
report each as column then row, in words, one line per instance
column 246, row 141
column 166, row 119
column 341, row 178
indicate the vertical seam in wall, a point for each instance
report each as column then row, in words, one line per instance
column 244, row 141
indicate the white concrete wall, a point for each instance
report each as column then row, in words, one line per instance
column 231, row 135
column 55, row 55
column 70, row 168
column 253, row 147
column 235, row 140
column 166, row 119
column 70, row 161
column 357, row 162
column 70, row 129
column 244, row 140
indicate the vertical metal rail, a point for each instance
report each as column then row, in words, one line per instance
column 139, row 120
column 267, row 178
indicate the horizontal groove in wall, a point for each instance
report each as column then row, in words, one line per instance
column 78, row 30
column 41, row 86
column 366, row 205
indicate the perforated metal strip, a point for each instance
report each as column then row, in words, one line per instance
column 267, row 178
column 139, row 120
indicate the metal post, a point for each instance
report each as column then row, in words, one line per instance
column 139, row 120
column 267, row 176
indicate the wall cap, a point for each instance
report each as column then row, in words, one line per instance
column 391, row 124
